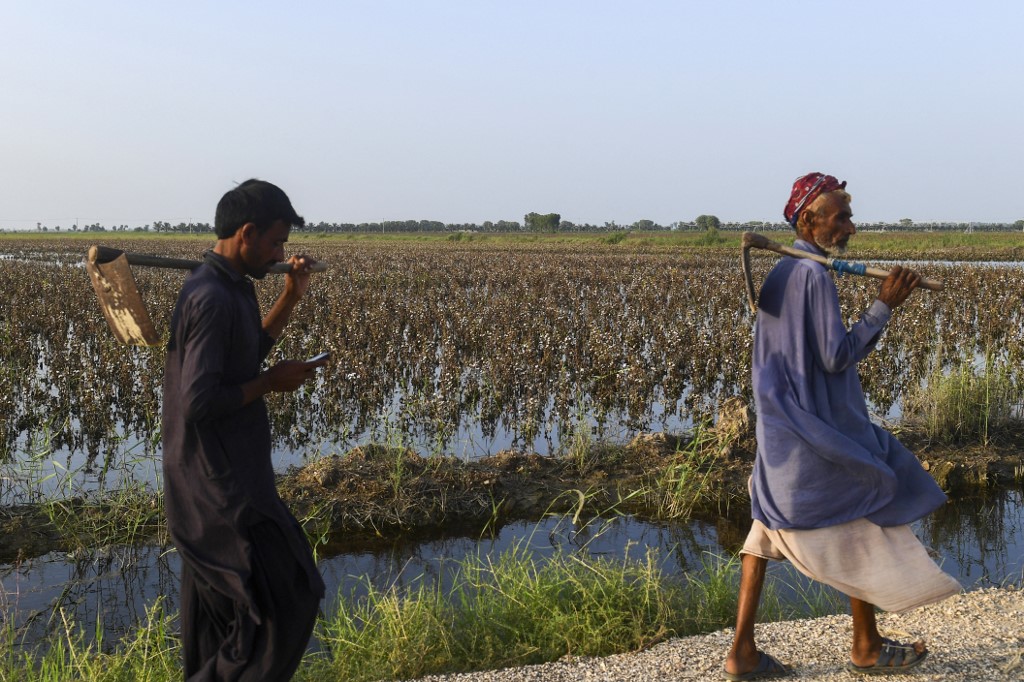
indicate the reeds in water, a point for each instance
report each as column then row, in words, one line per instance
column 969, row 401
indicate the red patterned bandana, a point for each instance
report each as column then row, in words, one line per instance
column 805, row 190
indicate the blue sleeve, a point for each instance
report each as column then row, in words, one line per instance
column 836, row 348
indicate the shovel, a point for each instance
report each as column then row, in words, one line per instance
column 758, row 241
column 111, row 275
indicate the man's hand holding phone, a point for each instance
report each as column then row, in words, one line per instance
column 320, row 359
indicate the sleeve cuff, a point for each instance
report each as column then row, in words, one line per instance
column 879, row 313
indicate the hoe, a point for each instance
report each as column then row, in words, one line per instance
column 757, row 241
column 111, row 275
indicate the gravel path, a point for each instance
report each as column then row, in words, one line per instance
column 976, row 635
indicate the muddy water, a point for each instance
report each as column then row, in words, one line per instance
column 980, row 541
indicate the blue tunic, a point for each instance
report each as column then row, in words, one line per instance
column 820, row 460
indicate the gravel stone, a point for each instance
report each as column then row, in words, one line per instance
column 977, row 635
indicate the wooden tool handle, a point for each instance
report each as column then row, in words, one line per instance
column 757, row 241
column 105, row 254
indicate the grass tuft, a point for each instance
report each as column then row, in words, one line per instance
column 687, row 482
column 967, row 402
column 518, row 609
column 150, row 654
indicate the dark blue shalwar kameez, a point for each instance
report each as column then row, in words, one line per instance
column 250, row 588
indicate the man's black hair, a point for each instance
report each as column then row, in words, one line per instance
column 254, row 201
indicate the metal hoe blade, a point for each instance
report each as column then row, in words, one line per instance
column 120, row 301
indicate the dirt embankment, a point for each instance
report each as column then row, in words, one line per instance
column 374, row 493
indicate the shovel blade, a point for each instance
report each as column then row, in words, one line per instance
column 748, row 279
column 121, row 303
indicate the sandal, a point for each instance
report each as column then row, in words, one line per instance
column 893, row 659
column 767, row 667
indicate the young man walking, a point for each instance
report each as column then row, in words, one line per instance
column 250, row 589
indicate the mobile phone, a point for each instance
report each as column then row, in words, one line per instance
column 322, row 356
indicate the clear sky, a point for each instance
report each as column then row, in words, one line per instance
column 466, row 111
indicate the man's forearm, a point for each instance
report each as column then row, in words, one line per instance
column 274, row 322
column 255, row 388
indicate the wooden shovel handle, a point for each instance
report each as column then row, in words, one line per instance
column 757, row 241
column 105, row 254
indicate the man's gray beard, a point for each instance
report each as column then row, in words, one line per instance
column 830, row 248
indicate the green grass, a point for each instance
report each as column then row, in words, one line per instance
column 150, row 654
column 687, row 482
column 51, row 497
column 966, row 402
column 509, row 610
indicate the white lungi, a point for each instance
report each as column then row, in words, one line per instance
column 887, row 567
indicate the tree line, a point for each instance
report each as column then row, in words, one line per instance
column 550, row 222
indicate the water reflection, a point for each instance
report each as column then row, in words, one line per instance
column 980, row 540
column 982, row 535
column 112, row 586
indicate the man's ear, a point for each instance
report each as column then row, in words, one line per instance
column 247, row 232
column 803, row 223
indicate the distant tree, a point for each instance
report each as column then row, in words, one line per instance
column 1019, row 225
column 537, row 222
column 645, row 225
column 906, row 222
column 708, row 222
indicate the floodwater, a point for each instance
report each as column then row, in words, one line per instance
column 980, row 540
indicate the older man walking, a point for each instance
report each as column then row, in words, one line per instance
column 831, row 492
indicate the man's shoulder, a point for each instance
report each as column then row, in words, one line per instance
column 206, row 287
column 792, row 281
column 800, row 268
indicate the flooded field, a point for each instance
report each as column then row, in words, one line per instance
column 461, row 349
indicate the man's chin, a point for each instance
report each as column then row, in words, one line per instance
column 833, row 249
column 262, row 272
